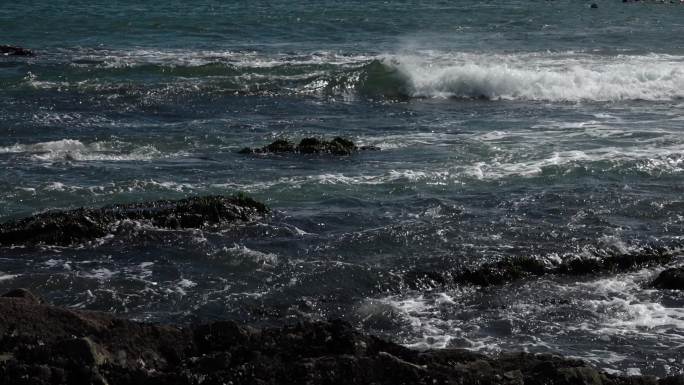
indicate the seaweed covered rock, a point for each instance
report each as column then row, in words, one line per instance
column 72, row 226
column 337, row 146
column 10, row 50
column 670, row 279
column 42, row 344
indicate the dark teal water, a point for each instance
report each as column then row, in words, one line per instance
column 534, row 128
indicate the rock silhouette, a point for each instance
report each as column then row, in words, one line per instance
column 83, row 224
column 337, row 146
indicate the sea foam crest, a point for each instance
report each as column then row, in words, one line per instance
column 542, row 77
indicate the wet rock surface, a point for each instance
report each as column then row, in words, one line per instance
column 337, row 146
column 670, row 279
column 43, row 344
column 83, row 224
column 515, row 268
column 10, row 50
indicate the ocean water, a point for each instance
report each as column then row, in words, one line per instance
column 507, row 128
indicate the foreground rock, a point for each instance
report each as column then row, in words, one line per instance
column 74, row 226
column 337, row 146
column 515, row 268
column 10, row 50
column 670, row 279
column 42, row 344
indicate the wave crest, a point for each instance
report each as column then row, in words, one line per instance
column 540, row 77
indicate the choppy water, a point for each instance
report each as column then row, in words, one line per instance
column 507, row 128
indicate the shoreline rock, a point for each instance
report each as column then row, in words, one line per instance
column 73, row 226
column 517, row 268
column 338, row 146
column 43, row 344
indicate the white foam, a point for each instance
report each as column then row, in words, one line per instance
column 387, row 142
column 433, row 330
column 55, row 186
column 101, row 274
column 57, row 145
column 625, row 308
column 53, row 262
column 71, row 149
column 548, row 77
column 7, row 277
column 196, row 58
column 246, row 254
column 649, row 159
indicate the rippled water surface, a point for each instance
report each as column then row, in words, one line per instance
column 506, row 128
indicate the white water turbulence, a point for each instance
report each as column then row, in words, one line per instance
column 76, row 150
column 610, row 310
column 557, row 77
column 499, row 130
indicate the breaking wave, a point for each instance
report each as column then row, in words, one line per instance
column 543, row 77
column 555, row 77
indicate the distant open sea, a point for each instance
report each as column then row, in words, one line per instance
column 542, row 129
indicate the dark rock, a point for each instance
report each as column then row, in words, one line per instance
column 615, row 263
column 593, row 6
column 219, row 336
column 311, row 146
column 79, row 225
column 581, row 375
column 369, row 148
column 280, row 146
column 82, row 351
column 337, row 146
column 25, row 295
column 10, row 50
column 516, row 268
column 674, row 380
column 503, row 271
column 672, row 279
column 340, row 146
column 42, row 344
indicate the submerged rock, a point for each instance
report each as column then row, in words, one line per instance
column 337, row 146
column 73, row 226
column 10, row 50
column 42, row 344
column 671, row 279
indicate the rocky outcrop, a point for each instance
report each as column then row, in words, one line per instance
column 337, row 146
column 515, row 268
column 10, row 50
column 42, row 344
column 670, row 279
column 79, row 225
